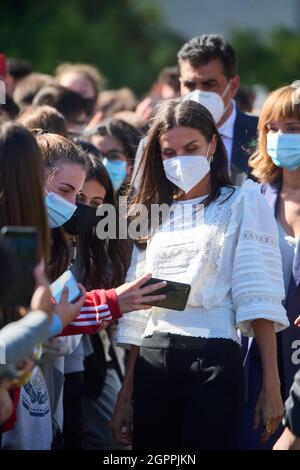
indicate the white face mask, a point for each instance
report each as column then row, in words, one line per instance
column 211, row 100
column 187, row 171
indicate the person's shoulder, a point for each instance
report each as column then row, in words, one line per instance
column 246, row 119
column 248, row 192
column 248, row 187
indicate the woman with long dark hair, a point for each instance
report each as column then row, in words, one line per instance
column 185, row 370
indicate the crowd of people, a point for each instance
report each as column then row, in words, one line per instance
column 115, row 367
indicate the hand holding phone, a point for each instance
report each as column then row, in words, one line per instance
column 67, row 311
column 132, row 296
column 176, row 294
column 23, row 243
column 67, row 279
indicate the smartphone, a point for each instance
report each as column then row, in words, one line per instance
column 23, row 243
column 176, row 293
column 67, row 279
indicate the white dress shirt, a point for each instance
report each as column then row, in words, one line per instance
column 226, row 131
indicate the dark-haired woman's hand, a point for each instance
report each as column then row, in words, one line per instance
column 121, row 421
column 133, row 296
column 269, row 411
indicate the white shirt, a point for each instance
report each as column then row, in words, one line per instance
column 226, row 131
column 232, row 261
column 33, row 427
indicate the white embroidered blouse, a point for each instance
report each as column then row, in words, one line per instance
column 228, row 253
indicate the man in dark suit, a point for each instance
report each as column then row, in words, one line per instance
column 208, row 63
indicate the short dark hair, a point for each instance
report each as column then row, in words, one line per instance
column 202, row 49
column 28, row 87
column 69, row 103
column 170, row 76
column 10, row 107
column 18, row 68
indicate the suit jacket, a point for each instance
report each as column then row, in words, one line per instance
column 244, row 143
column 292, row 406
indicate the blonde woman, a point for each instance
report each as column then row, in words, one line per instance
column 276, row 164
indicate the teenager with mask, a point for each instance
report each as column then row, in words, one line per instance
column 117, row 142
column 100, row 263
column 104, row 263
column 276, row 164
column 185, row 369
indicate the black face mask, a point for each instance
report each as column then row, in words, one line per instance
column 82, row 221
column 89, row 105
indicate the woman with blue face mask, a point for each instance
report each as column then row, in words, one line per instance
column 117, row 142
column 276, row 164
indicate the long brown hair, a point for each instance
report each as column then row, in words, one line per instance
column 21, row 183
column 155, row 188
column 281, row 104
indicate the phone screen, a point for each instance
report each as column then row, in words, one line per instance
column 67, row 279
column 23, row 242
column 176, row 294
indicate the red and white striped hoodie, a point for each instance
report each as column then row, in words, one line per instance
column 100, row 305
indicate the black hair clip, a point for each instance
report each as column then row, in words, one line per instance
column 39, row 131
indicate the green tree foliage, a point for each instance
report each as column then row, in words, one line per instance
column 273, row 60
column 126, row 39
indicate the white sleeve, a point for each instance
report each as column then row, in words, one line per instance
column 257, row 279
column 132, row 325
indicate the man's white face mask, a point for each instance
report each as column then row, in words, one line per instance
column 186, row 171
column 211, row 100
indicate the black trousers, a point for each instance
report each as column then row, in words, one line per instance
column 188, row 393
column 72, row 402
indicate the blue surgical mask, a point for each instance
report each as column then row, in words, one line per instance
column 59, row 210
column 284, row 149
column 117, row 171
